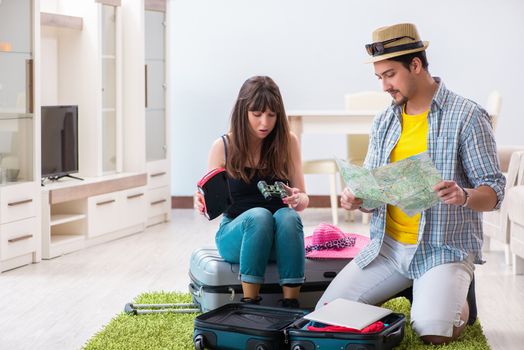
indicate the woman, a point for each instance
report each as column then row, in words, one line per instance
column 259, row 146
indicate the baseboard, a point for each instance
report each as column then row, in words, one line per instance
column 321, row 201
column 182, row 202
column 315, row 201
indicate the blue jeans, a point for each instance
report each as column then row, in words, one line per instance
column 256, row 236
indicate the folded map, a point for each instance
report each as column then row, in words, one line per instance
column 406, row 184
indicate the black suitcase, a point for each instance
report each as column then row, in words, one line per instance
column 388, row 338
column 254, row 327
column 239, row 326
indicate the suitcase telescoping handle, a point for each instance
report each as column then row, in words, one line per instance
column 140, row 309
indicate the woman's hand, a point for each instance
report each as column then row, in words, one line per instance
column 349, row 201
column 293, row 198
column 296, row 199
column 198, row 201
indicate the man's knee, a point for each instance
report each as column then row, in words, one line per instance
column 437, row 331
column 435, row 339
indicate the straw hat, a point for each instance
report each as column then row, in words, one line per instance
column 393, row 41
column 329, row 242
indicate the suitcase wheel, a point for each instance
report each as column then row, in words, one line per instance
column 199, row 342
column 297, row 347
column 261, row 347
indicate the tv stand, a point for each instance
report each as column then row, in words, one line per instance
column 71, row 176
column 58, row 177
column 76, row 215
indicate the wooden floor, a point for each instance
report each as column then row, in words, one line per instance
column 60, row 303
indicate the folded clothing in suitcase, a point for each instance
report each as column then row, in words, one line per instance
column 300, row 338
column 244, row 326
column 215, row 282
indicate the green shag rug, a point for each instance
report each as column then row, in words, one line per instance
column 175, row 331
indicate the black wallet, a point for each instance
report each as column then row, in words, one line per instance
column 215, row 189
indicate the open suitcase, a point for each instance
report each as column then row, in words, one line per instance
column 302, row 339
column 244, row 326
column 254, row 327
column 215, row 282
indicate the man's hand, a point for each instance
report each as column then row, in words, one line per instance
column 349, row 201
column 450, row 193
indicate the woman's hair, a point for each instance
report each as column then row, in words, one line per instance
column 258, row 94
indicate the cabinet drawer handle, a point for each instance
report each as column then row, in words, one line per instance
column 21, row 238
column 135, row 195
column 12, row 204
column 158, row 174
column 106, row 202
column 159, row 201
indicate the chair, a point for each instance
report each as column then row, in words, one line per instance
column 357, row 145
column 493, row 107
column 329, row 167
column 495, row 223
column 515, row 208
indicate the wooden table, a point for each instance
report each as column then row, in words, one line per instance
column 331, row 122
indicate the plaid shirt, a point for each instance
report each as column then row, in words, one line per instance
column 462, row 146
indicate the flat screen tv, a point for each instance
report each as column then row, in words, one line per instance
column 59, row 141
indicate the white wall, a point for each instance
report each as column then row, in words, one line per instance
column 314, row 50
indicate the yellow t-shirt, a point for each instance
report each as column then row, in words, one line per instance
column 413, row 140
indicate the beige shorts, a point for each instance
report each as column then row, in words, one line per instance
column 438, row 296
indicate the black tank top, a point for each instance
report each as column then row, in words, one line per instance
column 246, row 195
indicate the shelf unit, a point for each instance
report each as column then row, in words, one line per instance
column 20, row 239
column 83, row 67
column 61, row 21
column 70, row 52
column 77, row 215
column 59, row 219
column 157, row 111
column 146, row 109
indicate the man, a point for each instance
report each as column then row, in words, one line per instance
column 433, row 251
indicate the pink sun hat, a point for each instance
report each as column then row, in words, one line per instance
column 329, row 242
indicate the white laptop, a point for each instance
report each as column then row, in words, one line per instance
column 347, row 313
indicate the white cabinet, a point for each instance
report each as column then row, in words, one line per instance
column 159, row 203
column 157, row 112
column 104, row 211
column 18, row 202
column 110, row 33
column 19, row 193
column 78, row 215
column 155, row 68
column 134, row 206
column 115, row 211
column 63, row 226
column 18, row 240
column 110, row 59
column 146, row 109
column 159, row 195
column 19, row 235
column 82, row 66
column 16, row 47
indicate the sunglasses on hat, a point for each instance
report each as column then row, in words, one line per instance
column 376, row 49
